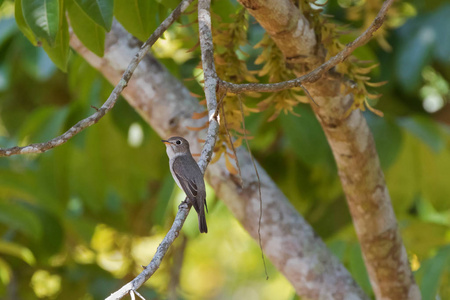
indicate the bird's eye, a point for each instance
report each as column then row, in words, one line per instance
column 178, row 142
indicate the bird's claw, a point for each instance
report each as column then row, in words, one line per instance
column 186, row 203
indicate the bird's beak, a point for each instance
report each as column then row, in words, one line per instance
column 165, row 142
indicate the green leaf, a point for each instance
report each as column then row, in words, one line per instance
column 52, row 232
column 431, row 272
column 306, row 137
column 171, row 4
column 433, row 173
column 101, row 285
column 37, row 64
column 225, row 9
column 418, row 170
column 413, row 54
column 17, row 250
column 5, row 272
column 388, row 138
column 89, row 33
column 20, row 20
column 428, row 213
column 82, row 228
column 5, row 76
column 44, row 124
column 7, row 29
column 16, row 217
column 338, row 248
column 441, row 22
column 113, row 202
column 43, row 17
column 404, row 186
column 59, row 51
column 137, row 16
column 426, row 130
column 124, row 117
column 100, row 11
column 358, row 269
column 423, row 238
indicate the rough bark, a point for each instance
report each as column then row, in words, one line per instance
column 288, row 241
column 354, row 151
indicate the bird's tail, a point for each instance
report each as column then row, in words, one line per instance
column 202, row 221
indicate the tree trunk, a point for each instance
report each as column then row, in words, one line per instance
column 354, row 151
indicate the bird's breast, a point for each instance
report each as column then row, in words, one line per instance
column 173, row 173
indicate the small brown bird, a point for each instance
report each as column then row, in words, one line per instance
column 188, row 176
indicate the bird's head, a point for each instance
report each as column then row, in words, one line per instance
column 177, row 144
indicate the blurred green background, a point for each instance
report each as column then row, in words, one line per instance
column 77, row 222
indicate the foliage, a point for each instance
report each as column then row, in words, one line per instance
column 76, row 220
column 228, row 39
column 45, row 22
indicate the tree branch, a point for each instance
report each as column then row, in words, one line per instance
column 317, row 73
column 111, row 101
column 209, row 70
column 206, row 45
column 288, row 240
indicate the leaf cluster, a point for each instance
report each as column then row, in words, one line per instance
column 46, row 22
column 228, row 38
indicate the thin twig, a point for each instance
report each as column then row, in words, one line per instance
column 308, row 95
column 317, row 73
column 223, row 94
column 94, row 107
column 111, row 101
column 259, row 186
column 232, row 145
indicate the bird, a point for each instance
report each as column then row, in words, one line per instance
column 188, row 176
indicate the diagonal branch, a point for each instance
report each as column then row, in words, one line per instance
column 317, row 73
column 112, row 99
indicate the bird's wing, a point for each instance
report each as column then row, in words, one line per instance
column 185, row 176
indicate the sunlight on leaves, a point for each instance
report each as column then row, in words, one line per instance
column 45, row 284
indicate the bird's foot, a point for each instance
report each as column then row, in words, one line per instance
column 185, row 204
